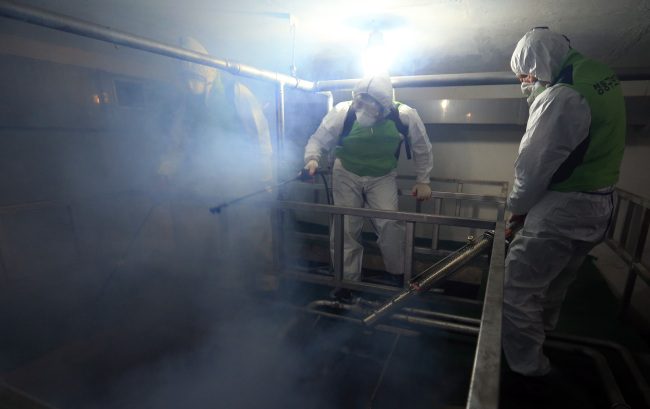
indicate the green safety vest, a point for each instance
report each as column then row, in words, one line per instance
column 595, row 163
column 370, row 151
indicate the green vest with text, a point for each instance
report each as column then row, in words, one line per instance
column 595, row 163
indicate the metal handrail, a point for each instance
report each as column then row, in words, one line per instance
column 629, row 244
column 438, row 196
column 484, row 389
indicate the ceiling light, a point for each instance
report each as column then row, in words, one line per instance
column 376, row 57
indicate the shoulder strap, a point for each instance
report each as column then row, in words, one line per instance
column 393, row 115
column 347, row 125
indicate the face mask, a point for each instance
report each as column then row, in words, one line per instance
column 532, row 90
column 365, row 119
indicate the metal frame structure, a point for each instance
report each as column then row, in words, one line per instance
column 338, row 212
column 484, row 390
column 627, row 237
column 437, row 197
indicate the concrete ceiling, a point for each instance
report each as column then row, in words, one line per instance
column 429, row 37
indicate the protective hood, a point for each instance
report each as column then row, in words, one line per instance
column 208, row 73
column 539, row 53
column 379, row 87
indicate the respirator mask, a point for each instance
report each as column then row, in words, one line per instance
column 532, row 90
column 366, row 109
column 365, row 119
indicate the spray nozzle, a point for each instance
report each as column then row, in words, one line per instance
column 304, row 176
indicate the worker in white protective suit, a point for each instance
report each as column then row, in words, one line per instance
column 568, row 164
column 220, row 149
column 367, row 134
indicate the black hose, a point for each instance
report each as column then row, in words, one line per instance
column 327, row 190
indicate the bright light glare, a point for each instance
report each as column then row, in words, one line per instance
column 444, row 103
column 376, row 59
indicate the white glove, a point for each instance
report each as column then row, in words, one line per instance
column 421, row 191
column 312, row 165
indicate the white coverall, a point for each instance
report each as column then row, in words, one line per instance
column 350, row 189
column 241, row 147
column 560, row 228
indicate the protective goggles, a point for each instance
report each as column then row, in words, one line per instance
column 364, row 102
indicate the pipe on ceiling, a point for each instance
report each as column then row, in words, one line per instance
column 45, row 18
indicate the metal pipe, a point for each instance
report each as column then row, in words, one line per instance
column 484, row 384
column 425, row 281
column 443, row 325
column 427, row 322
column 468, row 79
column 466, row 329
column 440, row 80
column 628, row 359
column 435, row 234
column 383, row 214
column 447, row 317
column 612, row 390
column 451, row 265
column 572, row 344
column 330, row 99
column 607, row 378
column 349, row 320
column 338, row 224
column 56, row 21
column 408, row 250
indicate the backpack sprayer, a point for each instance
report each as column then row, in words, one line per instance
column 440, row 271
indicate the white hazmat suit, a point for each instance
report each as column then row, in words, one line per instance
column 219, row 131
column 561, row 226
column 352, row 189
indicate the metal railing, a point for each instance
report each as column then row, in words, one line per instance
column 337, row 213
column 460, row 197
column 627, row 236
column 455, row 193
column 484, row 385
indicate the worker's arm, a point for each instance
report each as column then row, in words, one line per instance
column 559, row 121
column 421, row 151
column 327, row 134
